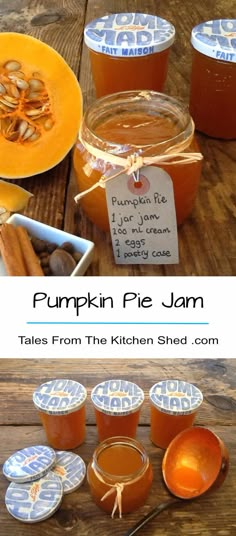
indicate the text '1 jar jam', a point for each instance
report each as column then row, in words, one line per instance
column 213, row 79
column 61, row 406
column 147, row 123
column 119, row 475
column 174, row 404
column 129, row 51
column 117, row 405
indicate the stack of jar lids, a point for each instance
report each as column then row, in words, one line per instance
column 39, row 478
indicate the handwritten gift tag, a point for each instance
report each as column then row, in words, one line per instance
column 142, row 218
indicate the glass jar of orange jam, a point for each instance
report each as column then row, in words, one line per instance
column 213, row 79
column 129, row 51
column 174, row 404
column 117, row 405
column 61, row 406
column 119, row 475
column 148, row 123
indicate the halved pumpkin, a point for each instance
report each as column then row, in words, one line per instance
column 40, row 106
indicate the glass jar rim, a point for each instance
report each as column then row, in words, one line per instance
column 133, row 443
column 136, row 100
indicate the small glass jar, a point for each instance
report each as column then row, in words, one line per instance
column 213, row 78
column 119, row 475
column 61, row 407
column 117, row 405
column 123, row 124
column 174, row 404
column 129, row 51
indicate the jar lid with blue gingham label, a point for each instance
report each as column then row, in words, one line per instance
column 29, row 464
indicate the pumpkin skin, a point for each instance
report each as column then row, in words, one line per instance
column 20, row 159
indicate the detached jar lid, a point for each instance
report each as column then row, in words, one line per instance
column 71, row 469
column 34, row 501
column 117, row 397
column 216, row 39
column 175, row 397
column 59, row 397
column 29, row 464
column 129, row 34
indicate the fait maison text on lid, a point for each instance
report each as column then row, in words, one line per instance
column 32, row 502
column 29, row 464
column 175, row 397
column 117, row 397
column 71, row 469
column 129, row 34
column 59, row 397
column 216, row 39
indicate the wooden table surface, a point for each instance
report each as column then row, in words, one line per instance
column 213, row 514
column 207, row 241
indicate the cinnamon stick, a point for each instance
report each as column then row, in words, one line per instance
column 11, row 251
column 31, row 260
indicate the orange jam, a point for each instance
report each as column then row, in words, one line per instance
column 117, row 405
column 128, row 51
column 213, row 79
column 120, row 462
column 174, row 404
column 61, row 406
column 146, row 123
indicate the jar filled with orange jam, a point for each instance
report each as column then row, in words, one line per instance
column 119, row 475
column 174, row 404
column 117, row 405
column 146, row 123
column 128, row 51
column 61, row 406
column 213, row 79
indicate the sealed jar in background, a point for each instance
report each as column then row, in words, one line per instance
column 129, row 51
column 117, row 405
column 147, row 123
column 174, row 404
column 213, row 79
column 61, row 406
column 119, row 475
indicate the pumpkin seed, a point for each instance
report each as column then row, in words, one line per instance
column 14, row 91
column 34, row 136
column 33, row 112
column 30, row 130
column 22, row 127
column 21, row 84
column 12, row 65
column 48, row 124
column 10, row 99
column 16, row 74
column 2, row 89
column 36, row 84
column 7, row 104
column 12, row 136
column 33, row 95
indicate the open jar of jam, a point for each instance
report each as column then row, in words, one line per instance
column 146, row 123
column 128, row 51
column 174, row 404
column 61, row 406
column 119, row 475
column 213, row 79
column 117, row 405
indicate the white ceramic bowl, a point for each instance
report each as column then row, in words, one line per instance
column 46, row 232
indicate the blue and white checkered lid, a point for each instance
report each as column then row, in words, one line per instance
column 117, row 397
column 59, row 397
column 175, row 397
column 71, row 469
column 216, row 39
column 129, row 34
column 31, row 502
column 29, row 464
